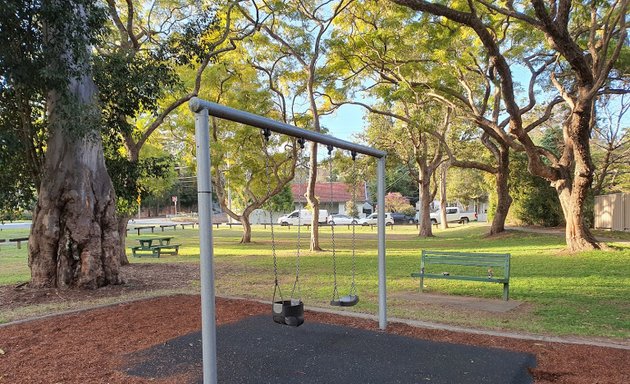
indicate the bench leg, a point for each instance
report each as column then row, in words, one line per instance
column 422, row 284
column 506, row 291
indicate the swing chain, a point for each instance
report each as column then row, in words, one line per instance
column 353, row 287
column 296, row 283
column 267, row 133
column 332, row 227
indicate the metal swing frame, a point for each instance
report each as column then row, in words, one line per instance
column 202, row 109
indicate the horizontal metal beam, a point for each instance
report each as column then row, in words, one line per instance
column 221, row 111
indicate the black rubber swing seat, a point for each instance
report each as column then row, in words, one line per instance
column 288, row 312
column 345, row 301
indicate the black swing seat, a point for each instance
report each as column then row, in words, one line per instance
column 288, row 312
column 345, row 301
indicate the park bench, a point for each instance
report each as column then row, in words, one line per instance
column 151, row 227
column 483, row 267
column 185, row 224
column 174, row 226
column 155, row 250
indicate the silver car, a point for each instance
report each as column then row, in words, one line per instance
column 339, row 218
column 371, row 220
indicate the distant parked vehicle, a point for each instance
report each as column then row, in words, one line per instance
column 453, row 214
column 302, row 216
column 339, row 218
column 401, row 218
column 371, row 220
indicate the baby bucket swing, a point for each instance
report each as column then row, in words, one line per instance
column 351, row 298
column 287, row 312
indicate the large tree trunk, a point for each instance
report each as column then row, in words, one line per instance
column 74, row 239
column 573, row 195
column 504, row 200
column 425, row 204
column 123, row 220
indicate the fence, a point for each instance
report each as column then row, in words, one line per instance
column 613, row 211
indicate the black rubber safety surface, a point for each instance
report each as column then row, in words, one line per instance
column 257, row 350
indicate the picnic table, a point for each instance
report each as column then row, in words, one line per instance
column 151, row 241
column 155, row 246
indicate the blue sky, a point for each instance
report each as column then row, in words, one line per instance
column 345, row 122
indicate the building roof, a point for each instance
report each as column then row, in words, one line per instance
column 341, row 192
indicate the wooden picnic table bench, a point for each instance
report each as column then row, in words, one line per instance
column 174, row 226
column 483, row 267
column 151, row 227
column 185, row 224
column 18, row 241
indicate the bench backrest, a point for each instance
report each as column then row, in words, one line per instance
column 467, row 259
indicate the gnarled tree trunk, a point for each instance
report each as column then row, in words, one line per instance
column 74, row 239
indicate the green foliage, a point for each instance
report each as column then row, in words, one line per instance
column 130, row 178
column 282, row 202
column 535, row 201
column 465, row 185
column 130, row 85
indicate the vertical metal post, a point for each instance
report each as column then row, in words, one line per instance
column 382, row 278
column 204, row 195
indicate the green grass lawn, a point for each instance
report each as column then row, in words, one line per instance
column 586, row 294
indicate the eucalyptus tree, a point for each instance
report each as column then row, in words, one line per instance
column 297, row 34
column 140, row 75
column 47, row 75
column 575, row 45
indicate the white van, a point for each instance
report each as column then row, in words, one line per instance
column 302, row 216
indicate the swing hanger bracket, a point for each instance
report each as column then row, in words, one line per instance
column 266, row 133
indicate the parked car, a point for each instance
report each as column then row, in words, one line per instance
column 453, row 214
column 302, row 216
column 401, row 218
column 339, row 218
column 371, row 220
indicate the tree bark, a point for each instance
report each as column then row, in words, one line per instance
column 425, row 203
column 74, row 240
column 573, row 194
column 504, row 200
column 443, row 202
column 247, row 229
column 123, row 220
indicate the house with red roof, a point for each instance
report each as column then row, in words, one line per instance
column 333, row 197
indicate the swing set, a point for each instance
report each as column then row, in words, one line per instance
column 291, row 311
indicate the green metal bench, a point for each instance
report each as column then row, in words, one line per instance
column 484, row 267
column 155, row 250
